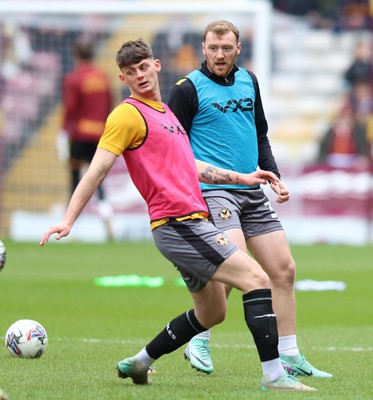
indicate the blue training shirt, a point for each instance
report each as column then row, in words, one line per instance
column 223, row 132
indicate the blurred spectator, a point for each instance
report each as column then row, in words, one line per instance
column 345, row 145
column 87, row 101
column 360, row 69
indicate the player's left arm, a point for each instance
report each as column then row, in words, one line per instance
column 212, row 174
column 266, row 159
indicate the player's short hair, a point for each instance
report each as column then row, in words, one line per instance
column 221, row 27
column 133, row 52
column 83, row 50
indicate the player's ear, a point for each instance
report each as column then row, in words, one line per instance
column 157, row 64
column 122, row 78
column 238, row 48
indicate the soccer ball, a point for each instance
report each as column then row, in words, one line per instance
column 2, row 255
column 26, row 339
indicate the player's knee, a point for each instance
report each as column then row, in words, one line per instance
column 284, row 274
column 290, row 271
column 288, row 275
column 216, row 321
column 218, row 316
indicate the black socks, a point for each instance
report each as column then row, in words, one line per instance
column 262, row 322
column 178, row 332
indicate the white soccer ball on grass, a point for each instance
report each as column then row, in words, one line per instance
column 26, row 338
column 2, row 255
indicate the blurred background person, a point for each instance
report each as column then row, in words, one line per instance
column 345, row 143
column 86, row 103
column 359, row 71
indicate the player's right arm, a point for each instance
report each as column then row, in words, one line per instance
column 98, row 169
column 124, row 128
column 212, row 174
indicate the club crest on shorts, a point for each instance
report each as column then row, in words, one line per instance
column 224, row 214
column 222, row 240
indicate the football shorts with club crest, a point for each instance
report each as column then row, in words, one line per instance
column 249, row 210
column 195, row 247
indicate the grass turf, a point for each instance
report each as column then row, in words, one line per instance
column 91, row 328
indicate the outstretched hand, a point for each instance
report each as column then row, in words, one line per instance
column 62, row 229
column 281, row 190
column 259, row 177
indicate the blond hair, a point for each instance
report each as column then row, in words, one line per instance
column 221, row 27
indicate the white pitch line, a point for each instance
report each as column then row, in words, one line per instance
column 217, row 345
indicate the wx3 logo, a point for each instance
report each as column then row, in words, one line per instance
column 174, row 129
column 242, row 104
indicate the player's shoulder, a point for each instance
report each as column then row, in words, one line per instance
column 184, row 85
column 250, row 73
column 181, row 81
column 122, row 109
column 124, row 114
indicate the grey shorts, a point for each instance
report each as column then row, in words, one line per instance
column 195, row 247
column 249, row 210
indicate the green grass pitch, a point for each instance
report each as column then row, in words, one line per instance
column 91, row 328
